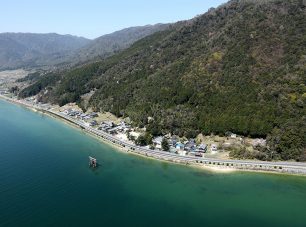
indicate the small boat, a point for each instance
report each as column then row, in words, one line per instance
column 93, row 162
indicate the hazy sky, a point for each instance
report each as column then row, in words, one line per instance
column 93, row 18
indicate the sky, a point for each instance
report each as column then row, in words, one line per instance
column 93, row 18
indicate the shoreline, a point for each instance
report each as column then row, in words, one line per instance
column 213, row 165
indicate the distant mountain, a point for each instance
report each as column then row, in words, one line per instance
column 28, row 49
column 111, row 43
column 32, row 50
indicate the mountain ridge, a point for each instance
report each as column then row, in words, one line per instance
column 55, row 50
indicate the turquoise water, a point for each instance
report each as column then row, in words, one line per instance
column 45, row 181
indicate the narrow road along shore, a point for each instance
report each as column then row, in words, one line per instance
column 251, row 165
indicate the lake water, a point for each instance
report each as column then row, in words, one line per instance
column 45, row 181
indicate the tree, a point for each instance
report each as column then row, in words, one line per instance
column 149, row 138
column 141, row 141
column 165, row 145
column 154, row 129
column 144, row 140
column 14, row 89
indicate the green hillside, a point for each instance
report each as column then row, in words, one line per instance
column 239, row 68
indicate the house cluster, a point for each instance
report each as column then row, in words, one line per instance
column 79, row 114
column 3, row 91
column 188, row 147
column 82, row 116
column 32, row 100
column 113, row 129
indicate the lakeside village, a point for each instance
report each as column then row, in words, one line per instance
column 203, row 146
column 126, row 133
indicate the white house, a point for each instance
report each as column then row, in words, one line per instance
column 181, row 152
column 157, row 142
column 213, row 148
column 234, row 136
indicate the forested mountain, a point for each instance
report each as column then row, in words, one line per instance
column 108, row 44
column 239, row 68
column 28, row 49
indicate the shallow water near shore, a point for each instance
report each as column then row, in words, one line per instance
column 45, row 181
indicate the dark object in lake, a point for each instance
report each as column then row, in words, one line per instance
column 92, row 162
